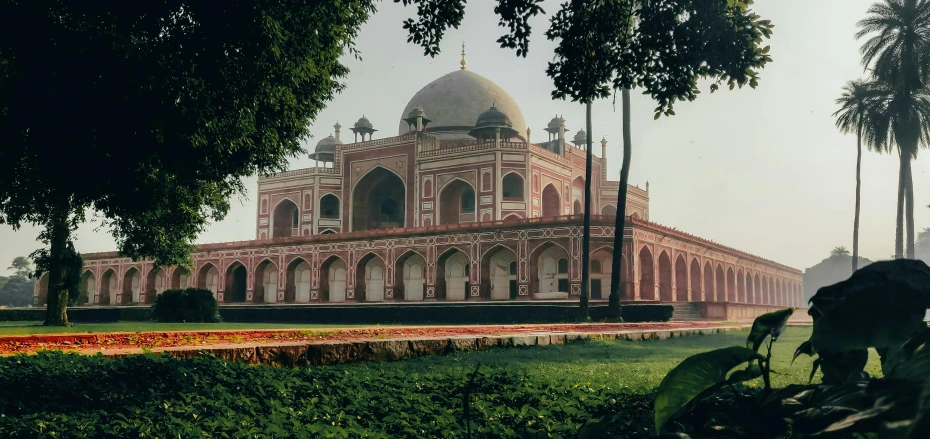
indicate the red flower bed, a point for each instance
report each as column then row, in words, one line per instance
column 123, row 340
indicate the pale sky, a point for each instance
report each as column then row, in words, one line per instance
column 761, row 170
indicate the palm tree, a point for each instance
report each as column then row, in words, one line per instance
column 898, row 53
column 839, row 251
column 857, row 115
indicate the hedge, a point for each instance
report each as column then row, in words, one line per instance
column 401, row 313
column 191, row 305
column 52, row 394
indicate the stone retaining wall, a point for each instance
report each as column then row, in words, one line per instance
column 297, row 354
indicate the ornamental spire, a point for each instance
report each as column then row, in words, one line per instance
column 463, row 56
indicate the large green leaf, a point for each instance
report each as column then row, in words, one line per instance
column 909, row 361
column 688, row 382
column 772, row 323
column 880, row 305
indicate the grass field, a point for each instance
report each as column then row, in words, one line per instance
column 30, row 328
column 629, row 365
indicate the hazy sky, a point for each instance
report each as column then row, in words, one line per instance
column 761, row 170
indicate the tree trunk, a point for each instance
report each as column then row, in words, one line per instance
column 899, row 219
column 586, row 235
column 855, row 254
column 616, row 275
column 909, row 207
column 56, row 313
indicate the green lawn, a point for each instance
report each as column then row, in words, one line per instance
column 628, row 365
column 29, row 328
column 523, row 392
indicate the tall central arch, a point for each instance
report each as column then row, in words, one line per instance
column 379, row 201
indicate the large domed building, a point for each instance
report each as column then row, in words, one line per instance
column 460, row 205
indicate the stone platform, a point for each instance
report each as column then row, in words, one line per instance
column 304, row 353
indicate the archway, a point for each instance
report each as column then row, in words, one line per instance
column 209, row 278
column 696, row 287
column 108, row 289
column 577, row 209
column 285, row 219
column 452, row 275
column 750, row 295
column 329, row 207
column 721, row 287
column 551, row 264
column 730, row 295
column 156, row 284
column 456, row 203
column 551, row 205
column 665, row 278
column 88, row 288
column 609, row 210
column 497, row 281
column 740, row 287
column 765, row 292
column 179, row 279
column 333, row 280
column 132, row 287
column 757, row 288
column 266, row 283
column 601, row 269
column 578, row 192
column 771, row 291
column 298, row 282
column 378, row 201
column 236, row 280
column 647, row 280
column 778, row 293
column 708, row 282
column 409, row 277
column 681, row 279
column 512, row 187
column 369, row 279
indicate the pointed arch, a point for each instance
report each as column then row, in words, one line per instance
column 208, row 278
column 748, row 285
column 708, row 282
column 155, row 284
column 285, row 219
column 548, row 271
column 265, row 281
column 378, row 200
column 457, row 202
column 453, row 269
column 370, row 272
column 720, row 284
column 235, row 288
column 665, row 277
column 740, row 296
column 551, row 201
column 132, row 287
column 497, row 282
column 513, row 186
column 333, row 271
column 609, row 210
column 696, row 290
column 409, row 276
column 681, row 279
column 647, row 282
column 330, row 206
column 87, row 288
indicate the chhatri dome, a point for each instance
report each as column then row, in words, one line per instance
column 455, row 101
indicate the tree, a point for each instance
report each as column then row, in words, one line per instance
column 858, row 115
column 839, row 252
column 22, row 266
column 170, row 104
column 897, row 52
column 17, row 289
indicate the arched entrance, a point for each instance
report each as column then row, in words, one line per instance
column 266, row 282
column 601, row 268
column 285, row 219
column 512, row 187
column 551, row 204
column 452, row 272
column 731, row 287
column 647, row 280
column 236, row 280
column 88, row 288
column 369, row 279
column 665, row 278
column 378, row 201
column 750, row 292
column 209, row 279
column 721, row 285
column 157, row 283
column 497, row 281
column 578, row 210
column 740, row 286
column 179, row 279
column 551, row 270
column 681, row 279
column 609, row 210
column 766, row 300
column 409, row 277
column 132, row 287
column 696, row 287
column 333, row 280
column 708, row 283
column 578, row 195
column 299, row 276
column 456, row 203
column 329, row 207
column 108, row 290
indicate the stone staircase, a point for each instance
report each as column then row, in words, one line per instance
column 685, row 311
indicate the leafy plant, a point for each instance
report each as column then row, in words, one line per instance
column 192, row 305
column 881, row 306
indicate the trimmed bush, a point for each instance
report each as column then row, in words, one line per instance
column 647, row 313
column 193, row 305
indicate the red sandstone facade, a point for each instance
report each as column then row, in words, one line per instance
column 435, row 215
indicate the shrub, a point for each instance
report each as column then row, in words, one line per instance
column 193, row 305
column 647, row 313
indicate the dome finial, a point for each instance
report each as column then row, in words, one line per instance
column 463, row 56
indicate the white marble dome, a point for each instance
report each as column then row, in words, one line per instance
column 454, row 101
